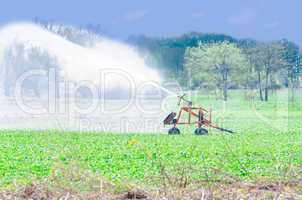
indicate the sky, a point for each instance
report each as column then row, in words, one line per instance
column 263, row 20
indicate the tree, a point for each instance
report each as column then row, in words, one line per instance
column 167, row 54
column 271, row 58
column 216, row 63
column 299, row 68
column 254, row 55
column 292, row 58
column 23, row 57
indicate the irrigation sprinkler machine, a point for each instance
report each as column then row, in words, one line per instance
column 195, row 115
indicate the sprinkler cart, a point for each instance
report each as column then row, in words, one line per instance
column 195, row 115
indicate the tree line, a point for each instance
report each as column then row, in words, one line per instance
column 214, row 62
column 221, row 62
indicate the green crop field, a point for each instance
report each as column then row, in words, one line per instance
column 267, row 145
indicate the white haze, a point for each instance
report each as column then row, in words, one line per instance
column 78, row 63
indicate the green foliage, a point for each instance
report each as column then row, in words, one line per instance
column 167, row 54
column 271, row 65
column 216, row 64
column 262, row 147
column 292, row 58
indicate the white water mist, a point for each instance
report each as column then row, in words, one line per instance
column 75, row 62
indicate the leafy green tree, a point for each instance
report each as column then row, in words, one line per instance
column 256, row 59
column 299, row 67
column 167, row 54
column 253, row 53
column 270, row 55
column 216, row 63
column 292, row 58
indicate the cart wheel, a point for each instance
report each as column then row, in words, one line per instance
column 174, row 131
column 201, row 131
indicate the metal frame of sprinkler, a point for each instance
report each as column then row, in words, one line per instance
column 196, row 115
